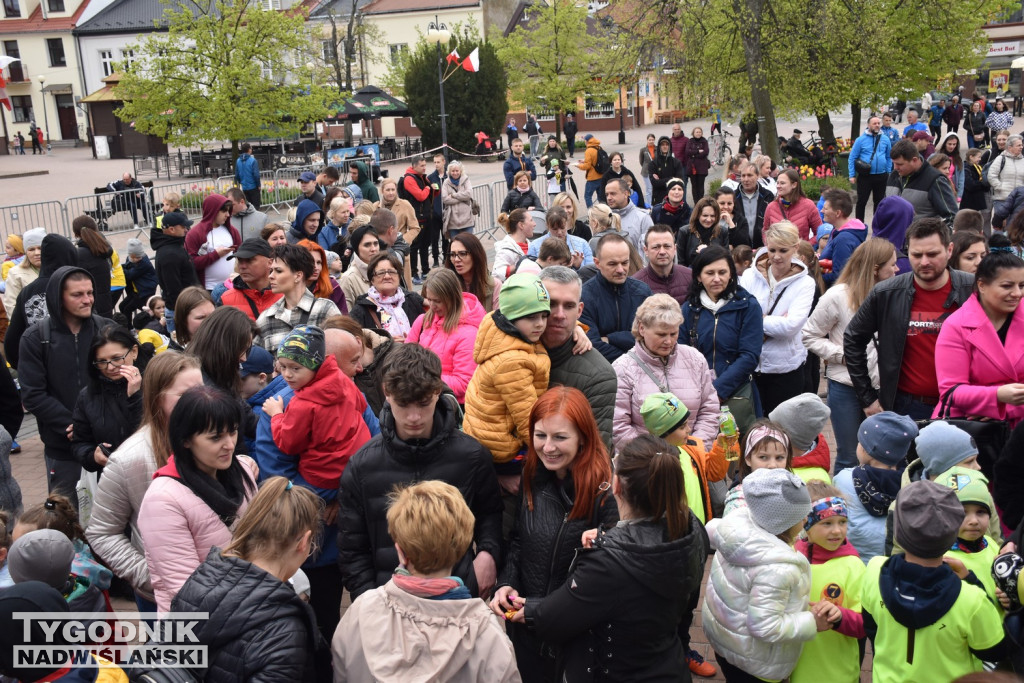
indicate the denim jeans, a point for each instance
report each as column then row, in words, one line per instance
column 846, row 417
column 169, row 319
column 589, row 189
column 915, row 410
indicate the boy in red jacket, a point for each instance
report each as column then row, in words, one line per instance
column 324, row 420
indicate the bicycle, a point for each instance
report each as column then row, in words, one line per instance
column 830, row 155
column 719, row 148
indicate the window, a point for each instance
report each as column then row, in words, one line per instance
column 328, row 50
column 267, row 71
column 55, row 47
column 107, row 62
column 599, row 110
column 11, row 9
column 128, row 57
column 55, row 5
column 15, row 70
column 398, row 50
column 22, row 105
column 270, row 4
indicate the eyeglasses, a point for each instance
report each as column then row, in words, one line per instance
column 313, row 549
column 458, row 255
column 116, row 361
column 386, row 273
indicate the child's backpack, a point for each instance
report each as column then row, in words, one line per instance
column 603, row 163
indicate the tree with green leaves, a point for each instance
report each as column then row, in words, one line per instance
column 561, row 54
column 473, row 101
column 225, row 70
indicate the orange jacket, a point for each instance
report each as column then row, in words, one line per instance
column 589, row 162
column 710, row 466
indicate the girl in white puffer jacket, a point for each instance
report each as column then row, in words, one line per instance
column 756, row 612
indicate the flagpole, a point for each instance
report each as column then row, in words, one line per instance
column 438, row 33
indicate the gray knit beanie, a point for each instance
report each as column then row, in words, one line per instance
column 136, row 248
column 803, row 417
column 777, row 499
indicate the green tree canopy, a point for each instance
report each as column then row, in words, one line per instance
column 473, row 101
column 225, row 70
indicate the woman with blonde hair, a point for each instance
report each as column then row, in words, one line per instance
column 456, row 203
column 603, row 219
column 871, row 263
column 408, row 225
column 513, row 247
column 577, row 226
column 658, row 362
column 780, row 282
column 448, row 328
column 259, row 627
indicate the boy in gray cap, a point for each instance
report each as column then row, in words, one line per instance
column 46, row 555
column 803, row 417
column 924, row 622
column 883, row 441
column 140, row 279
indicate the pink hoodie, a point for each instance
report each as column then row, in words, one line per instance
column 455, row 349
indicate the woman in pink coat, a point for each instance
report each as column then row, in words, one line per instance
column 791, row 205
column 195, row 499
column 981, row 346
column 449, row 328
column 658, row 362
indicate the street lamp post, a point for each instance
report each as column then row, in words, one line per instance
column 46, row 121
column 438, row 33
column 622, row 124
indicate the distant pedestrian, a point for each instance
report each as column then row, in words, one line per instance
column 19, row 145
column 33, row 133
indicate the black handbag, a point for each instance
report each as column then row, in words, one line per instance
column 864, row 167
column 989, row 435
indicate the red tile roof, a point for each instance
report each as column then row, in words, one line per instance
column 36, row 23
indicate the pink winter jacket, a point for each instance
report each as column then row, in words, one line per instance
column 685, row 374
column 968, row 352
column 455, row 349
column 179, row 530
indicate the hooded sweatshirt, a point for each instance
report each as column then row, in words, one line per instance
column 925, row 623
column 99, row 267
column 30, row 308
column 306, row 208
column 51, row 378
column 196, row 238
column 842, row 242
column 249, row 222
column 892, row 218
column 665, row 167
column 366, row 185
column 174, row 268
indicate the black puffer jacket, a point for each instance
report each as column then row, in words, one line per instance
column 104, row 413
column 258, row 629
column 99, row 268
column 544, row 540
column 618, row 616
column 366, row 552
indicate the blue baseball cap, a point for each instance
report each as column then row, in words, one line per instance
column 259, row 360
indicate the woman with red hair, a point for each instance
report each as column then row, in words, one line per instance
column 322, row 284
column 565, row 491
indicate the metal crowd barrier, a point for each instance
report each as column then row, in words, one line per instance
column 113, row 211
column 15, row 219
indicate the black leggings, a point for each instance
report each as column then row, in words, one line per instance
column 734, row 674
column 778, row 387
column 697, row 186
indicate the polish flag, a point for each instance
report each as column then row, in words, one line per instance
column 4, row 99
column 472, row 62
column 453, row 56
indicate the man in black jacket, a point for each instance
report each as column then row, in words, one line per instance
column 750, row 202
column 611, row 298
column 902, row 317
column 174, row 269
column 53, row 368
column 919, row 183
column 589, row 372
column 30, row 308
column 419, row 440
column 570, row 130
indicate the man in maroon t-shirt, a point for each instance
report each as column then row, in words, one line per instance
column 902, row 316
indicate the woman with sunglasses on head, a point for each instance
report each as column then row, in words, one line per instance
column 109, row 409
column 469, row 261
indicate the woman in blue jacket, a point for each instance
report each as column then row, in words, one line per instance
column 724, row 322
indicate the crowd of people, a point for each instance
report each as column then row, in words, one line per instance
column 518, row 466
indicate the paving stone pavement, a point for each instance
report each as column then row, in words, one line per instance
column 30, row 473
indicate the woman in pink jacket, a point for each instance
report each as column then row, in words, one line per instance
column 981, row 346
column 791, row 205
column 198, row 496
column 448, row 328
column 658, row 362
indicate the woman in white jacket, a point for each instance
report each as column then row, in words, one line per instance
column 129, row 471
column 511, row 248
column 872, row 262
column 780, row 283
column 755, row 611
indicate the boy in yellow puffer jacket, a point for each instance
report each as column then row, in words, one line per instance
column 513, row 370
